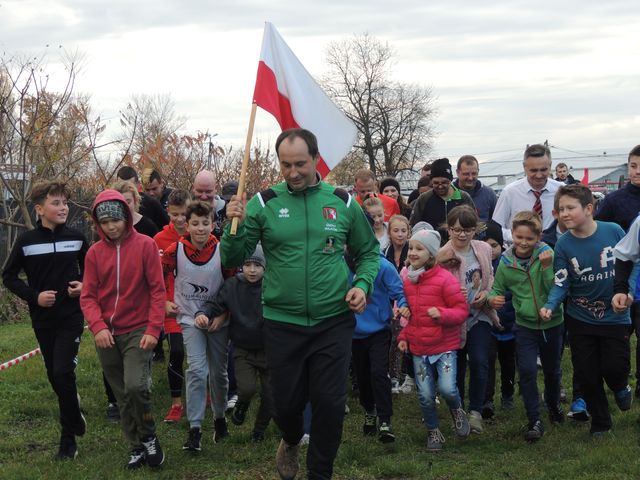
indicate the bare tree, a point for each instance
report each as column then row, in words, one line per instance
column 147, row 118
column 40, row 133
column 394, row 119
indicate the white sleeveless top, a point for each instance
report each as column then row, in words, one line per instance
column 195, row 285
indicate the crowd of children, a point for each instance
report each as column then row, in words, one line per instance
column 440, row 309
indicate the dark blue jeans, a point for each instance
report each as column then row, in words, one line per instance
column 548, row 344
column 477, row 349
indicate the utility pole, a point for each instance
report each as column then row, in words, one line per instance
column 210, row 155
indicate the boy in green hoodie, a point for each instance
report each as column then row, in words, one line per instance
column 526, row 268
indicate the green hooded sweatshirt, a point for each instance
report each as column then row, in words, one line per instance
column 303, row 234
column 530, row 288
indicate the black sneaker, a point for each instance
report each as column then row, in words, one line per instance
column 113, row 412
column 535, row 431
column 385, row 433
column 624, row 398
column 193, row 443
column 220, row 430
column 257, row 436
column 68, row 449
column 239, row 413
column 488, row 410
column 369, row 425
column 153, row 451
column 556, row 416
column 136, row 458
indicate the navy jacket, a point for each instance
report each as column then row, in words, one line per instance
column 484, row 199
column 243, row 300
column 621, row 207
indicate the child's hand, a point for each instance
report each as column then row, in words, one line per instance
column 620, row 302
column 546, row 258
column 104, row 339
column 202, row 321
column 404, row 312
column 74, row 289
column 47, row 298
column 464, row 291
column 545, row 314
column 479, row 300
column 170, row 309
column 434, row 313
column 148, row 342
column 497, row 302
column 403, row 346
column 217, row 322
column 498, row 325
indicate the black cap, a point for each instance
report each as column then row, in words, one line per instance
column 229, row 189
column 441, row 168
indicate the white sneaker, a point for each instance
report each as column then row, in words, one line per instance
column 395, row 385
column 408, row 385
column 231, row 403
column 304, row 440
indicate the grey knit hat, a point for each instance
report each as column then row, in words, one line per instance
column 257, row 257
column 429, row 238
column 111, row 209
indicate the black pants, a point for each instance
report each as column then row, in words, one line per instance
column 59, row 347
column 577, row 391
column 635, row 325
column 601, row 352
column 175, row 371
column 371, row 365
column 505, row 353
column 311, row 364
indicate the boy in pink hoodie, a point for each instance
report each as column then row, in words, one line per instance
column 123, row 300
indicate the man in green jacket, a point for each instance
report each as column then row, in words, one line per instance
column 303, row 225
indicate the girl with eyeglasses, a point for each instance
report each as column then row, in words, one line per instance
column 470, row 262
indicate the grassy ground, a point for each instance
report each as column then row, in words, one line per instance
column 29, row 435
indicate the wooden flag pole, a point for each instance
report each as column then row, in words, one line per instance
column 245, row 163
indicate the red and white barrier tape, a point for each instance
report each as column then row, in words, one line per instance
column 19, row 359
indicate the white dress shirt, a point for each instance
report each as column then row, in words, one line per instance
column 518, row 196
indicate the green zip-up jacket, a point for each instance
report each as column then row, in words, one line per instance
column 303, row 235
column 530, row 288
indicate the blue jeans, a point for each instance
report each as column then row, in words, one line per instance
column 426, row 385
column 548, row 344
column 477, row 348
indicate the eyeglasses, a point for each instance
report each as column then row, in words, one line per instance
column 459, row 231
column 440, row 184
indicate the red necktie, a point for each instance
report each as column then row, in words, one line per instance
column 537, row 207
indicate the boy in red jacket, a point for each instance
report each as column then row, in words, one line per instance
column 177, row 209
column 123, row 302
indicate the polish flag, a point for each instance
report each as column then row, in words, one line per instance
column 585, row 177
column 285, row 89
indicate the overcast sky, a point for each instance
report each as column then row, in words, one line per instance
column 504, row 73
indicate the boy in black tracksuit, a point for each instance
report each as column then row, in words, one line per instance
column 52, row 257
column 241, row 296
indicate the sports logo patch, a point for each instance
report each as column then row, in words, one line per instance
column 329, row 213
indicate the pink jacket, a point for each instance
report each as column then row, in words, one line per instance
column 435, row 288
column 482, row 251
column 123, row 287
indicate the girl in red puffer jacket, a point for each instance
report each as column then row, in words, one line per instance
column 432, row 335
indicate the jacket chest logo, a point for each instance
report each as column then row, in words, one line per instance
column 329, row 213
column 283, row 213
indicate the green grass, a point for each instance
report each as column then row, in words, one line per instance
column 29, row 435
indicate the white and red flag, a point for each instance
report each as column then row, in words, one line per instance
column 285, row 89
